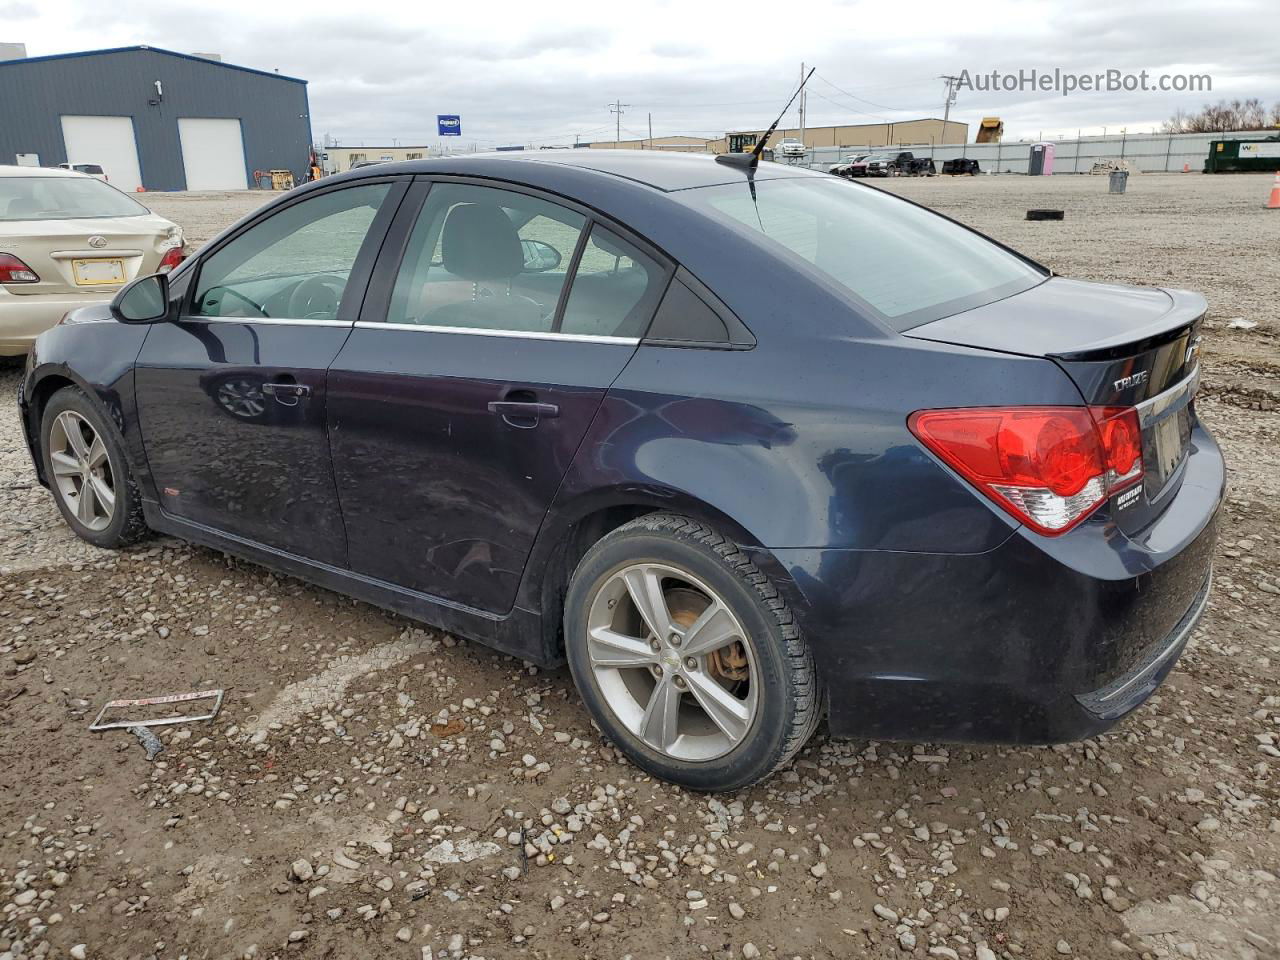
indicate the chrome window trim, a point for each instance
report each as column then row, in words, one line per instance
column 275, row 321
column 1155, row 408
column 482, row 332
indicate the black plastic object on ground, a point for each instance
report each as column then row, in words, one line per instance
column 1046, row 214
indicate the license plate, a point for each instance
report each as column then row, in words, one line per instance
column 95, row 273
column 1169, row 445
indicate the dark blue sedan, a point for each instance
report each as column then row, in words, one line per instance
column 746, row 446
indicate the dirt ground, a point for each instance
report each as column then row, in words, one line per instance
column 373, row 789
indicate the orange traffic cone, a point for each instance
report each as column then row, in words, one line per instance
column 1274, row 202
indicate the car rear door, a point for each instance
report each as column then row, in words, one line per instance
column 496, row 321
column 231, row 396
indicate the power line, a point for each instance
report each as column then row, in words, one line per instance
column 854, row 96
column 844, row 106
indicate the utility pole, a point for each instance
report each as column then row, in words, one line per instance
column 952, row 86
column 803, row 96
column 651, row 131
column 618, row 107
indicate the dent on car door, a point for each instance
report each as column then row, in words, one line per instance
column 231, row 395
column 495, row 324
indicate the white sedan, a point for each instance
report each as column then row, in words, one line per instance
column 67, row 239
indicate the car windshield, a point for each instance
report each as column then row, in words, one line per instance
column 905, row 263
column 63, row 198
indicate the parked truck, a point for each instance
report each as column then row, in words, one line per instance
column 904, row 164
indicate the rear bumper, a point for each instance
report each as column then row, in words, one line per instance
column 1131, row 688
column 25, row 317
column 1040, row 640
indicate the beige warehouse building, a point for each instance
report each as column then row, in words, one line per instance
column 926, row 130
column 340, row 159
column 670, row 144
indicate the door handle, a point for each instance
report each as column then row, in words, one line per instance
column 521, row 413
column 287, row 394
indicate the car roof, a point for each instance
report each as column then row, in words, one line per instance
column 14, row 171
column 653, row 168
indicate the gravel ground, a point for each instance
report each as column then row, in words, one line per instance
column 374, row 789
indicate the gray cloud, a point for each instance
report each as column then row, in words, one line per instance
column 377, row 75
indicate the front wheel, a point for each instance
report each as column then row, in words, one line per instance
column 85, row 465
column 687, row 657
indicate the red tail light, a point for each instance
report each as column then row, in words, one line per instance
column 1050, row 467
column 13, row 270
column 173, row 256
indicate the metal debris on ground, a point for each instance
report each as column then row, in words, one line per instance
column 103, row 724
column 150, row 742
column 1240, row 323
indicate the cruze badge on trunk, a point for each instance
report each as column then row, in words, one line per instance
column 1133, row 380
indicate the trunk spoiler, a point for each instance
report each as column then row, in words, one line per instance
column 1187, row 308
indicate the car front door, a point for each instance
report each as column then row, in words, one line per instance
column 231, row 396
column 495, row 323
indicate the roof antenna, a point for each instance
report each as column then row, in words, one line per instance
column 751, row 160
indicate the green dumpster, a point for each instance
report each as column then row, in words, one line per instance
column 1244, row 156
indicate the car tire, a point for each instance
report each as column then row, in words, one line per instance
column 745, row 701
column 88, row 474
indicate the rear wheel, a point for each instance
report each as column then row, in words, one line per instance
column 687, row 657
column 85, row 465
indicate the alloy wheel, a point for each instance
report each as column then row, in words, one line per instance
column 82, row 471
column 672, row 661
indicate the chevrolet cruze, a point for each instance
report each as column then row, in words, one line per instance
column 746, row 446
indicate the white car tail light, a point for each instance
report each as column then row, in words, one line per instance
column 13, row 270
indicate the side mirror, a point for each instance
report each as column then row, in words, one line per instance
column 539, row 257
column 145, row 300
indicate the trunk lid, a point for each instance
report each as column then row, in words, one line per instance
column 92, row 255
column 1121, row 346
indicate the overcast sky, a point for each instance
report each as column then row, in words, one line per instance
column 540, row 72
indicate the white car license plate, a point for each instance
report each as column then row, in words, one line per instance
column 92, row 273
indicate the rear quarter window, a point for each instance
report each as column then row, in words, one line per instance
column 904, row 264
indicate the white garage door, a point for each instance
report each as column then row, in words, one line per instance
column 107, row 141
column 212, row 153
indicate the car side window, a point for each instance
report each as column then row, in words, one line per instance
column 684, row 317
column 615, row 290
column 482, row 258
column 295, row 264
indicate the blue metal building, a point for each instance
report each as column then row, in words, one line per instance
column 154, row 118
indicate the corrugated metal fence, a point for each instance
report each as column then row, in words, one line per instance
column 1149, row 153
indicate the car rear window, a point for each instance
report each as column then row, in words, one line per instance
column 905, row 263
column 63, row 198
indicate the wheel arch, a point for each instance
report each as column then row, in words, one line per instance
column 39, row 390
column 572, row 528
